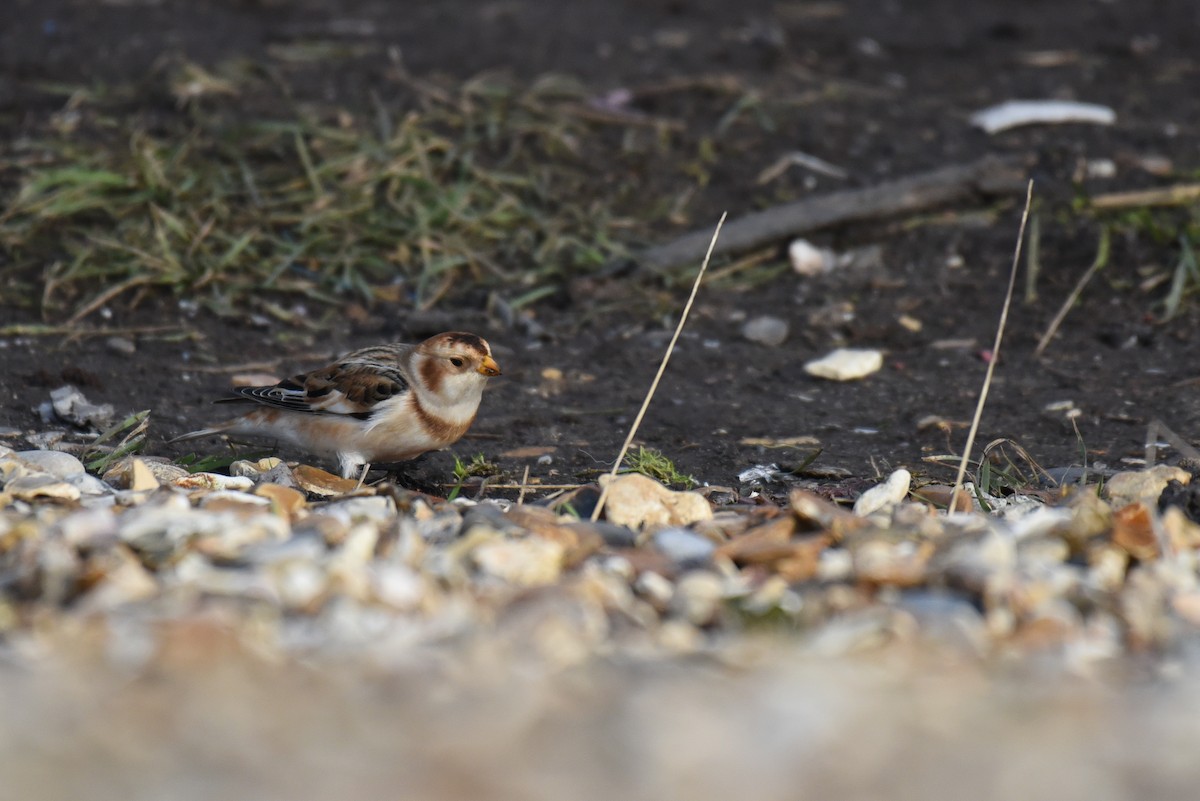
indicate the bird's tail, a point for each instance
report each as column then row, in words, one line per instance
column 223, row 428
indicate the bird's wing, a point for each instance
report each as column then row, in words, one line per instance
column 354, row 385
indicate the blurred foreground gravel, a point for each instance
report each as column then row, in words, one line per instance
column 266, row 635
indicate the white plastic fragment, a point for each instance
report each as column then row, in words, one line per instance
column 1015, row 113
column 846, row 364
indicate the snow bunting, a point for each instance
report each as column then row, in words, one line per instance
column 382, row 404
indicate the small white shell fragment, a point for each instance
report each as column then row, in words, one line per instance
column 808, row 259
column 1014, row 113
column 846, row 364
column 884, row 496
column 214, row 481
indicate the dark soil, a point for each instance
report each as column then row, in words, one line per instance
column 882, row 90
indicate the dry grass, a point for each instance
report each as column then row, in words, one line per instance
column 483, row 189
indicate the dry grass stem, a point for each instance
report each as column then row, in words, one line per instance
column 1178, row 195
column 991, row 368
column 662, row 367
column 1098, row 263
column 524, row 486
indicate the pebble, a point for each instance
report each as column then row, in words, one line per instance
column 808, row 259
column 766, row 330
column 846, row 364
column 55, row 463
column 637, row 501
column 1132, row 486
column 35, row 487
column 70, row 405
column 683, row 547
column 1079, row 579
column 698, row 597
column 532, row 562
column 884, row 497
column 121, row 346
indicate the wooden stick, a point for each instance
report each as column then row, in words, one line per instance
column 991, row 175
column 991, row 368
column 1178, row 195
column 662, row 367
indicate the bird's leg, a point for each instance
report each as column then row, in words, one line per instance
column 363, row 476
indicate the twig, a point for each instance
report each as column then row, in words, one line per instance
column 1178, row 195
column 1158, row 428
column 1101, row 259
column 75, row 332
column 991, row 368
column 529, row 487
column 988, row 176
column 637, row 421
column 524, row 486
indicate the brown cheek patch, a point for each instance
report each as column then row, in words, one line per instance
column 439, row 429
column 431, row 375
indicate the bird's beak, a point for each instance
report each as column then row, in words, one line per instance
column 488, row 367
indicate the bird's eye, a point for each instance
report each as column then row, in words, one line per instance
column 457, row 362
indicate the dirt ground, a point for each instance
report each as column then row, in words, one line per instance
column 880, row 90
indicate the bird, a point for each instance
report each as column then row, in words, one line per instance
column 387, row 403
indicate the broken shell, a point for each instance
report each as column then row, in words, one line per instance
column 845, row 364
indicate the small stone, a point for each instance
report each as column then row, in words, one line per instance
column 835, row 564
column 683, row 547
column 42, row 486
column 1187, row 606
column 761, row 544
column 269, row 470
column 1133, row 531
column 816, row 513
column 1107, row 566
column 121, row 473
column 397, row 586
column 121, row 346
column 766, row 330
column 895, row 564
column 698, row 597
column 846, row 364
column 240, row 503
column 531, row 562
column 55, row 463
column 808, row 259
column 1182, row 533
column 89, row 528
column 315, row 481
column 123, row 580
column 1131, row 486
column 885, row 496
column 284, row 500
column 579, row 539
column 941, row 495
column 655, row 588
column 69, row 404
column 377, row 509
column 637, row 501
